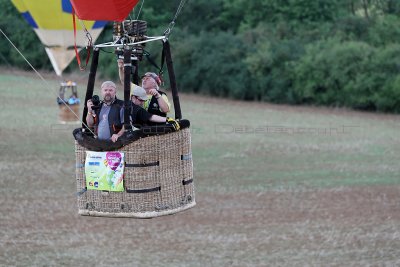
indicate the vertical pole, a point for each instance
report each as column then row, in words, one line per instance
column 135, row 71
column 172, row 80
column 127, row 87
column 90, row 84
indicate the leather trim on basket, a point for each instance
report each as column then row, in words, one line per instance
column 186, row 157
column 82, row 191
column 141, row 165
column 145, row 190
column 87, row 140
column 187, row 181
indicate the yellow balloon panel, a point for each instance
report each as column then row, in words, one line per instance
column 49, row 14
column 52, row 22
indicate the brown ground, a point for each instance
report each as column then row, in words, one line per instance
column 337, row 227
column 234, row 225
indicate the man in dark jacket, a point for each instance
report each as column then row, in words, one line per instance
column 139, row 116
column 108, row 118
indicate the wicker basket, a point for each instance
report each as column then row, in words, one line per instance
column 66, row 116
column 158, row 179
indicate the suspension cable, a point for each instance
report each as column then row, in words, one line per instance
column 48, row 86
column 171, row 25
column 140, row 9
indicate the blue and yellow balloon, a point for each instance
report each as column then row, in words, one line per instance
column 52, row 22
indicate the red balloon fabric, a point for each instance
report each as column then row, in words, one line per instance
column 110, row 10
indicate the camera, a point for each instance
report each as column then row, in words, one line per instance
column 96, row 102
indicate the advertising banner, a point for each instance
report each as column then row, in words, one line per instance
column 104, row 171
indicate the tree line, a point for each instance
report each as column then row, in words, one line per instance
column 320, row 52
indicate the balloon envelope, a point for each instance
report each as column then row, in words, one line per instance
column 52, row 22
column 111, row 10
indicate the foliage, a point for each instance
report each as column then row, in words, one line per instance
column 323, row 52
column 216, row 68
column 350, row 73
column 329, row 71
column 22, row 37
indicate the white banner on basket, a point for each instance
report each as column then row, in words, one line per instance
column 104, row 171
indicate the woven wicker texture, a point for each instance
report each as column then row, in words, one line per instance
column 158, row 179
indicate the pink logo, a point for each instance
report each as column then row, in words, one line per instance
column 113, row 159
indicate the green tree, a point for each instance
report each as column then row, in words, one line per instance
column 329, row 74
column 216, row 68
column 23, row 37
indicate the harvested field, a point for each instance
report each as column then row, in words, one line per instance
column 275, row 186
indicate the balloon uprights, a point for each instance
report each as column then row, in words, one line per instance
column 122, row 45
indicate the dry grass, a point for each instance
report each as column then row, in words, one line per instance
column 275, row 186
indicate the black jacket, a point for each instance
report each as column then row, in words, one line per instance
column 139, row 116
column 154, row 108
column 114, row 119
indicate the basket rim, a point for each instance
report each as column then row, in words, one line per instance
column 139, row 215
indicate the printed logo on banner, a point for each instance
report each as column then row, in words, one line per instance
column 104, row 171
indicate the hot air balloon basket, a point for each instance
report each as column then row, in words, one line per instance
column 68, row 113
column 157, row 179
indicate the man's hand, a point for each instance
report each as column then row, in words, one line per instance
column 155, row 93
column 90, row 115
column 114, row 137
column 89, row 105
column 120, row 63
column 121, row 70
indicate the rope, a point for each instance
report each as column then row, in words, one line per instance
column 89, row 45
column 151, row 61
column 132, row 12
column 137, row 18
column 172, row 23
column 48, row 86
column 88, row 35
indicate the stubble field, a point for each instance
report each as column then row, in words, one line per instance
column 275, row 186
